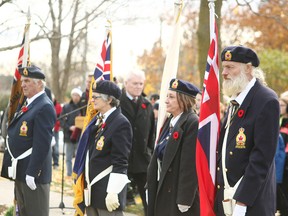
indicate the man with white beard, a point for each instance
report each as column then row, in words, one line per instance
column 248, row 139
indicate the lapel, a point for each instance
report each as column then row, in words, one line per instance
column 172, row 146
column 109, row 121
column 127, row 106
column 245, row 106
column 30, row 107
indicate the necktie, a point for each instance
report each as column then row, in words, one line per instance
column 234, row 107
column 99, row 126
column 134, row 100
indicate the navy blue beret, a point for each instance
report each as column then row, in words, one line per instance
column 107, row 87
column 183, row 87
column 240, row 54
column 32, row 72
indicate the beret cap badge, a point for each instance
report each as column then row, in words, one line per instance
column 25, row 72
column 175, row 84
column 228, row 55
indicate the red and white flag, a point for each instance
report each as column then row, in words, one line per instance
column 208, row 133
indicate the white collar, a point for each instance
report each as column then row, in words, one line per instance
column 105, row 116
column 130, row 96
column 30, row 100
column 175, row 119
column 240, row 98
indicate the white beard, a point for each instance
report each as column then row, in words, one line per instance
column 235, row 85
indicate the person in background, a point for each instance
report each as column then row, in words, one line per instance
column 154, row 99
column 71, row 132
column 29, row 145
column 198, row 102
column 172, row 179
column 139, row 111
column 282, row 188
column 55, row 147
column 109, row 145
column 246, row 182
column 85, row 95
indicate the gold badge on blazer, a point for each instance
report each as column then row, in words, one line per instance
column 23, row 129
column 241, row 139
column 100, row 143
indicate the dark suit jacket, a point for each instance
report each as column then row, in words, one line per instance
column 143, row 126
column 117, row 136
column 40, row 119
column 178, row 179
column 260, row 121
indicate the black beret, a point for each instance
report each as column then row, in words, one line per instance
column 183, row 87
column 32, row 72
column 106, row 87
column 240, row 54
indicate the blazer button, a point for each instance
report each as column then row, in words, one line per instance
column 170, row 170
column 231, row 153
column 226, row 170
column 218, row 186
column 169, row 190
column 218, row 168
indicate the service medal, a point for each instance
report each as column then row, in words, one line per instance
column 23, row 129
column 100, row 143
column 241, row 139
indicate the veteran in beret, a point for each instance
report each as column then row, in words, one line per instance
column 27, row 159
column 108, row 148
column 172, row 179
column 248, row 138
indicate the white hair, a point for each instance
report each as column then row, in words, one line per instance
column 137, row 73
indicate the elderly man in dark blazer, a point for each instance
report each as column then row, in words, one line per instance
column 27, row 159
column 248, row 139
column 139, row 112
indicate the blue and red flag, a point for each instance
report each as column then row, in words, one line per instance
column 208, row 133
column 102, row 71
column 16, row 96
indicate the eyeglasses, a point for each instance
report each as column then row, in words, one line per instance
column 95, row 97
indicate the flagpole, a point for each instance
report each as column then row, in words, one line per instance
column 27, row 40
column 211, row 6
column 171, row 64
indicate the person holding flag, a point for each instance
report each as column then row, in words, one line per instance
column 108, row 147
column 172, row 178
column 27, row 159
column 246, row 182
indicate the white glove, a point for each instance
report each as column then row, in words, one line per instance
column 30, row 181
column 239, row 210
column 183, row 208
column 112, row 201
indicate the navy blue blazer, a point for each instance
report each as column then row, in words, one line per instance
column 178, row 182
column 39, row 120
column 251, row 146
column 116, row 139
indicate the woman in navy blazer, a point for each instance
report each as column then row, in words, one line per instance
column 172, row 180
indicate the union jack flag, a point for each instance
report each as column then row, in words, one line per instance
column 208, row 133
column 102, row 71
column 16, row 96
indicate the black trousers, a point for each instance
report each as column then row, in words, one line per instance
column 140, row 181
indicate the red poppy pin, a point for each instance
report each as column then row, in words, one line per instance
column 103, row 125
column 175, row 135
column 24, row 109
column 241, row 113
column 143, row 106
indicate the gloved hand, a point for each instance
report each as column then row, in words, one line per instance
column 183, row 208
column 112, row 201
column 30, row 181
column 239, row 210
